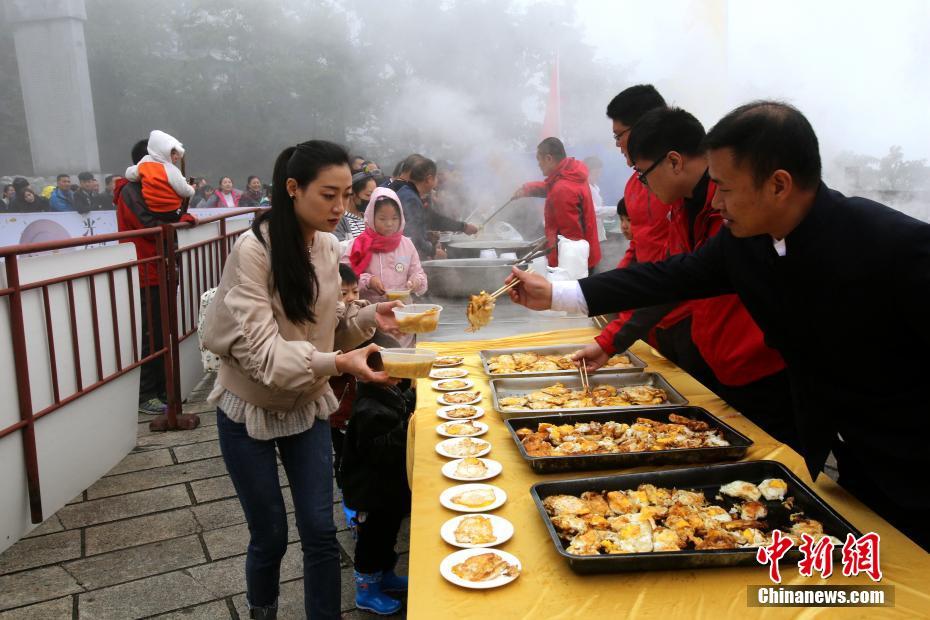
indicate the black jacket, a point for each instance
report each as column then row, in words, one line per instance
column 374, row 453
column 418, row 220
column 852, row 291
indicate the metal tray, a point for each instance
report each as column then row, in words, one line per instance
column 708, row 479
column 524, row 385
column 739, row 443
column 561, row 349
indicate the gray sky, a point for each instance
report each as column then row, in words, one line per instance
column 859, row 70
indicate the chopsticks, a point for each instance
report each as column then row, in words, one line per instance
column 599, row 321
column 585, row 380
column 507, row 287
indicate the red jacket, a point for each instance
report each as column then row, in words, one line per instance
column 649, row 222
column 569, row 208
column 728, row 338
column 132, row 214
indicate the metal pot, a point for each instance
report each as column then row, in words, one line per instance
column 472, row 248
column 462, row 277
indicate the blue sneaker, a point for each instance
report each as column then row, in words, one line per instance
column 368, row 595
column 391, row 582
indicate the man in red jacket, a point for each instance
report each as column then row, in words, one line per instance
column 665, row 147
column 133, row 214
column 569, row 208
column 649, row 225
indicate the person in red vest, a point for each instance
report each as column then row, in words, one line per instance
column 649, row 225
column 666, row 148
column 133, row 213
column 569, row 208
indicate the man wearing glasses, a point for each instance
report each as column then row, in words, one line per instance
column 665, row 147
column 824, row 276
column 670, row 330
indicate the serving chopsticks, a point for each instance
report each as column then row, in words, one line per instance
column 585, row 380
column 507, row 287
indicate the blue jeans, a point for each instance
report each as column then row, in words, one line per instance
column 308, row 462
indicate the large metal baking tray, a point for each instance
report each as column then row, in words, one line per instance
column 561, row 349
column 708, row 479
column 524, row 385
column 739, row 443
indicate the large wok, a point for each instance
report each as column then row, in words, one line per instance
column 462, row 277
column 471, row 248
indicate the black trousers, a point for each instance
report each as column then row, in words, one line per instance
column 911, row 521
column 768, row 403
column 152, row 373
column 676, row 345
column 377, row 535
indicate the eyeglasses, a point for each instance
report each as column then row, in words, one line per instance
column 642, row 175
column 617, row 136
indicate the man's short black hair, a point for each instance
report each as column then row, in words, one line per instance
column 139, row 150
column 108, row 178
column 63, row 176
column 347, row 275
column 633, row 102
column 86, row 176
column 552, row 146
column 662, row 130
column 767, row 136
column 621, row 208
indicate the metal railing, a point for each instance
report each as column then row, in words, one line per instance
column 202, row 267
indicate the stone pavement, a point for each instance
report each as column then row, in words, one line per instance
column 160, row 536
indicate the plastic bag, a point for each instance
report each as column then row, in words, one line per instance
column 209, row 359
column 573, row 257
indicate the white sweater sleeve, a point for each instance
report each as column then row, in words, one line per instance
column 132, row 174
column 178, row 182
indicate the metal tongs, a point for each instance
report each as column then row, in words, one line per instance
column 536, row 250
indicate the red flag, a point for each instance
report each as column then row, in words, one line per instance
column 552, row 123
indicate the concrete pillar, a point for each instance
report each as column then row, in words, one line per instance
column 52, row 59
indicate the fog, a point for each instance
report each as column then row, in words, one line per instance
column 467, row 81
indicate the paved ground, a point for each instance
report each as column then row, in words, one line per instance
column 160, row 536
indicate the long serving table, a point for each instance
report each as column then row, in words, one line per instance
column 547, row 588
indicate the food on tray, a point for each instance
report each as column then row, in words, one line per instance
column 475, row 498
column 656, row 519
column 741, row 490
column 773, row 488
column 462, row 412
column 485, row 567
column 448, row 360
column 461, row 429
column 466, row 447
column 475, row 530
column 421, row 323
column 644, row 435
column 460, row 398
column 560, row 397
column 533, row 362
column 452, row 384
column 448, row 373
column 479, row 311
column 471, row 467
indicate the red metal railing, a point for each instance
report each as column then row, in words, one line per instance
column 202, row 264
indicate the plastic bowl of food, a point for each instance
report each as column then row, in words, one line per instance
column 418, row 318
column 398, row 295
column 407, row 363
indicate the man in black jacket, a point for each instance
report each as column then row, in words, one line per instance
column 827, row 278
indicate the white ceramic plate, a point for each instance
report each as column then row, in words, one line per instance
column 503, row 531
column 448, row 373
column 481, row 426
column 445, row 568
column 494, row 469
column 445, row 498
column 439, row 364
column 442, row 399
column 443, row 412
column 459, row 385
column 442, row 447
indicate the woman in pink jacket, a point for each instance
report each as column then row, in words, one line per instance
column 382, row 257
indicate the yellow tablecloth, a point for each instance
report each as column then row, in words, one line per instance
column 548, row 588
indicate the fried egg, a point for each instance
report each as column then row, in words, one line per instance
column 742, row 490
column 773, row 488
